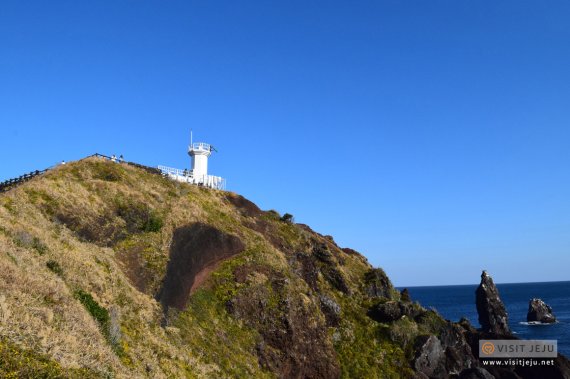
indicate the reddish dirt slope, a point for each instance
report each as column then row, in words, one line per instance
column 195, row 251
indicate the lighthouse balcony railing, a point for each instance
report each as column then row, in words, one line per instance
column 200, row 146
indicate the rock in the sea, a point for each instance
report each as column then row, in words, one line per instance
column 493, row 316
column 539, row 311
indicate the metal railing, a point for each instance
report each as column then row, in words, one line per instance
column 200, row 146
column 175, row 171
column 187, row 176
column 152, row 170
column 10, row 183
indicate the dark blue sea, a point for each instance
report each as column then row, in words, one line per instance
column 454, row 302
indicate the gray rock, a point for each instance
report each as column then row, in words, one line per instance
column 330, row 309
column 429, row 354
column 377, row 284
column 405, row 295
column 387, row 312
column 475, row 373
column 539, row 311
column 394, row 310
column 493, row 316
column 458, row 353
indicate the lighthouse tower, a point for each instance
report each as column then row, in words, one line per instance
column 199, row 153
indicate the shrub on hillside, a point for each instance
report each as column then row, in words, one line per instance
column 287, row 217
column 100, row 314
column 272, row 214
column 108, row 323
column 138, row 216
column 403, row 331
column 153, row 223
column 54, row 267
column 25, row 239
column 107, row 172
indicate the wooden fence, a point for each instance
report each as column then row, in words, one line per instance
column 14, row 182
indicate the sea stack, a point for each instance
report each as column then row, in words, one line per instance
column 493, row 316
column 539, row 311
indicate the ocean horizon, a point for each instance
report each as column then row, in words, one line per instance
column 456, row 301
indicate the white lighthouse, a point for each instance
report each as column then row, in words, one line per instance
column 199, row 153
column 198, row 174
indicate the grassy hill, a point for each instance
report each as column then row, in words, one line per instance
column 107, row 270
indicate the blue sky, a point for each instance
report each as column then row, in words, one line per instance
column 432, row 136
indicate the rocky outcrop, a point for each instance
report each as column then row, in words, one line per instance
column 329, row 268
column 331, row 310
column 494, row 323
column 493, row 316
column 539, row 311
column 450, row 349
column 378, row 284
column 429, row 355
column 458, row 353
column 394, row 310
column 405, row 295
column 294, row 340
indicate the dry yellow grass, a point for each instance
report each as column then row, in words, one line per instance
column 68, row 216
column 37, row 307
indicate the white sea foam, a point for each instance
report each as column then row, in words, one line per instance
column 536, row 323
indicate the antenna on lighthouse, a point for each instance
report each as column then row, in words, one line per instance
column 190, row 137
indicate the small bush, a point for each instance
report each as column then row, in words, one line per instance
column 25, row 239
column 55, row 267
column 431, row 322
column 106, row 172
column 36, row 196
column 108, row 323
column 153, row 223
column 138, row 216
column 9, row 205
column 100, row 314
column 403, row 331
column 287, row 217
column 39, row 246
column 272, row 214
